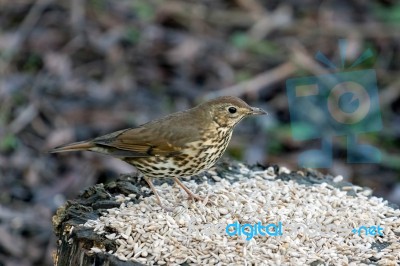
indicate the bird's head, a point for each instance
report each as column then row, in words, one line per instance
column 227, row 111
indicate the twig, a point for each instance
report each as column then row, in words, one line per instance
column 257, row 83
column 24, row 118
column 390, row 93
column 24, row 29
column 282, row 17
column 302, row 58
column 77, row 14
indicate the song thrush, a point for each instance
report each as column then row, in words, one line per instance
column 180, row 144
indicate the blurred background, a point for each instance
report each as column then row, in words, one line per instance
column 73, row 70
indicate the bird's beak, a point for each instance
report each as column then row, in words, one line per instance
column 257, row 111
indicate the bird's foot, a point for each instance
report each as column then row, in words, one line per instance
column 158, row 200
column 167, row 209
column 202, row 199
column 193, row 196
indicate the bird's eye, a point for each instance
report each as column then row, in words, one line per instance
column 232, row 110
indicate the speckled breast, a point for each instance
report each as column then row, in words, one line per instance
column 195, row 158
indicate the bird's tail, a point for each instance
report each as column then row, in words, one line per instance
column 76, row 146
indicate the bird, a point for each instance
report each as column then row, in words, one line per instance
column 178, row 145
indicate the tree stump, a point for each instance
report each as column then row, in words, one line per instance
column 120, row 224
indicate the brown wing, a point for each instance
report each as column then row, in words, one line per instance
column 164, row 137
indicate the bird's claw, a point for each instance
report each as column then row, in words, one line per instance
column 202, row 199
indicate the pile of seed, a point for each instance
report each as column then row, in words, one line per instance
column 317, row 223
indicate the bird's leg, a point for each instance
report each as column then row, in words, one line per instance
column 190, row 193
column 148, row 180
